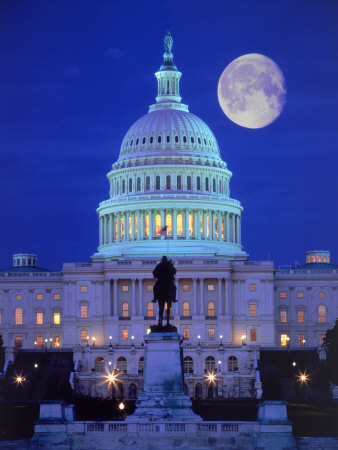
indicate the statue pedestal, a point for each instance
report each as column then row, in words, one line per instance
column 163, row 396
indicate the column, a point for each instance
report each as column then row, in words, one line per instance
column 106, row 229
column 227, row 231
column 227, row 295
column 213, row 228
column 195, row 223
column 239, row 230
column 202, row 295
column 133, row 302
column 220, row 225
column 210, row 225
column 118, row 227
column 150, row 224
column 138, row 225
column 142, row 237
column 100, row 231
column 107, row 295
column 194, row 281
column 126, row 226
column 220, row 300
column 198, row 224
column 115, row 312
column 187, row 223
column 174, row 223
column 162, row 221
column 111, row 221
column 140, row 296
column 233, row 228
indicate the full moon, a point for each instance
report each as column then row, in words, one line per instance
column 251, row 91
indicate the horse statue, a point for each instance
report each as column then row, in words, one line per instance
column 164, row 289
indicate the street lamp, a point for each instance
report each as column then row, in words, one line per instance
column 93, row 341
column 50, row 342
column 110, row 338
column 35, row 344
column 199, row 342
column 121, row 406
column 132, row 341
column 244, row 339
column 36, row 366
column 221, row 337
column 219, row 365
column 87, row 340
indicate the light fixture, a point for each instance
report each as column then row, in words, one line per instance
column 93, row 341
column 121, row 406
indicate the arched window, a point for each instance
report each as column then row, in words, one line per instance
column 211, row 309
column 157, row 224
column 117, row 188
column 210, row 364
column 137, row 141
column 198, row 391
column 176, row 139
column 198, row 183
column 168, row 139
column 125, row 309
column 130, row 185
column 138, row 184
column 169, row 224
column 207, row 184
column 189, row 183
column 123, row 186
column 185, row 139
column 179, row 182
column 132, row 394
column 144, row 140
column 321, row 314
column 150, row 309
column 99, row 364
column 188, row 365
column 214, row 185
column 179, row 225
column 141, row 365
column 191, row 225
column 151, row 139
column 168, row 182
column 158, row 183
column 147, row 183
column 186, row 309
column 159, row 139
column 18, row 316
column 121, row 364
column 192, row 140
column 232, row 364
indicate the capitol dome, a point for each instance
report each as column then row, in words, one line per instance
column 169, row 188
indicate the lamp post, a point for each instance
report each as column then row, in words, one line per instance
column 87, row 340
column 287, row 343
column 221, row 337
column 219, row 365
column 93, row 341
column 132, row 341
column 35, row 344
column 199, row 342
column 110, row 339
column 244, row 339
column 46, row 343
column 50, row 342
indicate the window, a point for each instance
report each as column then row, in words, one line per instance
column 210, row 364
column 168, row 182
column 159, row 139
column 282, row 294
column 252, row 287
column 144, row 140
column 253, row 309
column 214, row 185
column 321, row 314
column 186, row 309
column 146, row 225
column 83, row 288
column 284, row 340
column 57, row 318
column 56, row 342
column 188, row 365
column 138, row 184
column 99, row 364
column 179, row 225
column 39, row 318
column 211, row 333
column 18, row 342
column 321, row 294
column 216, row 227
column 56, row 297
column 124, row 288
column 130, row 187
column 158, row 225
column 147, row 183
column 211, row 287
column 169, row 224
column 125, row 309
column 253, row 335
column 176, row 139
column 150, row 309
column 39, row 296
column 84, row 335
column 207, row 184
column 168, row 139
column 184, row 139
column 141, row 365
column 158, row 183
column 232, row 364
column 192, row 140
column 189, row 183
column 283, row 316
column 186, row 287
column 39, row 341
column 150, row 288
column 186, row 334
column 83, row 311
column 301, row 340
column 300, row 316
column 18, row 316
column 300, row 294
column 18, row 297
column 179, row 182
column 123, row 186
column 121, row 364
column 211, row 309
column 125, row 334
column 198, row 183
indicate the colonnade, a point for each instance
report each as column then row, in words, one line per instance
column 194, row 224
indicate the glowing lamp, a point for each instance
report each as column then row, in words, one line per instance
column 121, row 406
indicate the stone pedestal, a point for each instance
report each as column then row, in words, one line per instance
column 163, row 396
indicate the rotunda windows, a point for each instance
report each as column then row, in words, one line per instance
column 151, row 139
column 130, row 185
column 147, row 183
column 214, row 185
column 168, row 182
column 158, row 183
column 159, row 139
column 198, row 183
column 185, row 139
column 168, row 139
column 205, row 141
column 192, row 140
column 144, row 140
column 137, row 141
column 179, row 182
column 131, row 143
column 138, row 184
column 207, row 184
column 123, row 186
column 176, row 139
column 189, row 183
column 169, row 224
column 157, row 224
column 199, row 140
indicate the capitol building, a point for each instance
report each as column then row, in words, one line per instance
column 169, row 194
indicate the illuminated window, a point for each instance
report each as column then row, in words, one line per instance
column 122, row 227
column 157, row 224
column 282, row 294
column 57, row 318
column 18, row 297
column 83, row 288
column 186, row 287
column 18, row 316
column 188, row 365
column 18, row 342
column 191, row 225
column 146, row 225
column 186, row 334
column 284, row 340
column 150, row 288
column 313, row 259
column 207, row 184
column 39, row 318
column 150, row 309
column 318, row 258
column 208, row 229
column 321, row 314
column 253, row 335
column 324, row 259
column 125, row 309
column 83, row 311
column 198, row 183
column 39, row 341
column 179, row 182
column 125, row 334
column 201, row 224
column 216, row 227
column 232, row 364
column 300, row 294
column 168, row 182
column 99, row 364
column 147, row 183
column 322, row 339
column 130, row 230
column 121, row 364
column 252, row 287
column 210, row 364
column 301, row 340
column 222, row 228
column 211, row 309
column 300, row 316
column 308, row 259
column 169, row 224
column 56, row 296
column 158, row 183
column 39, row 296
column 283, row 316
column 56, row 342
column 179, row 225
column 138, row 184
column 321, row 294
column 186, row 309
column 124, row 288
column 135, row 225
column 211, row 333
column 189, row 183
column 84, row 335
column 253, row 309
column 211, row 287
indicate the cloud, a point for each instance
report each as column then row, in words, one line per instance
column 114, row 53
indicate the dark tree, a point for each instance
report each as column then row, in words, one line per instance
column 2, row 353
column 331, row 341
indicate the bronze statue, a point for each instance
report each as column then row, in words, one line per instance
column 164, row 290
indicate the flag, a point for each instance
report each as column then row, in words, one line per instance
column 163, row 231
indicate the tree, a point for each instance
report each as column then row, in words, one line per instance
column 331, row 341
column 2, row 354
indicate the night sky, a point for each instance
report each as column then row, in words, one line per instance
column 75, row 75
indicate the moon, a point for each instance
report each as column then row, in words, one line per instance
column 251, row 91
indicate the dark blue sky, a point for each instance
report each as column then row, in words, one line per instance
column 74, row 75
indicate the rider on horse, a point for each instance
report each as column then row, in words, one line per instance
column 164, row 288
